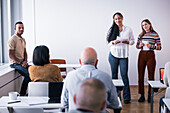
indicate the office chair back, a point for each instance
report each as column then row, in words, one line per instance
column 38, row 89
column 55, row 90
column 51, row 89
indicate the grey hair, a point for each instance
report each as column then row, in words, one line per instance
column 91, row 93
column 89, row 61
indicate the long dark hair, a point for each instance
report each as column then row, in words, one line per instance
column 114, row 30
column 41, row 55
column 151, row 28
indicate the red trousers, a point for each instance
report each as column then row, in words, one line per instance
column 146, row 58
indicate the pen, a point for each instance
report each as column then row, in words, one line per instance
column 14, row 102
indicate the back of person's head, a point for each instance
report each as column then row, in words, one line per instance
column 91, row 95
column 41, row 55
column 88, row 56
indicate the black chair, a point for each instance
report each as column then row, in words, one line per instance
column 55, row 90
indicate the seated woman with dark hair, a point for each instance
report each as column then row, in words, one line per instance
column 42, row 70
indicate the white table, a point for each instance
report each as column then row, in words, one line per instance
column 73, row 66
column 119, row 86
column 154, row 85
column 64, row 65
column 118, row 82
column 167, row 103
column 41, row 102
column 68, row 65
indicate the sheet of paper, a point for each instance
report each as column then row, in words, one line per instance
column 25, row 101
column 121, row 39
column 35, row 100
column 4, row 102
column 144, row 47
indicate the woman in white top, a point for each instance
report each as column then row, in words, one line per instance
column 120, row 37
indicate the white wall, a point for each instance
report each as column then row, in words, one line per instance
column 68, row 26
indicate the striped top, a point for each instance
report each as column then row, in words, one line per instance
column 151, row 38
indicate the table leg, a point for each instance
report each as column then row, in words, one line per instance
column 165, row 109
column 152, row 94
column 119, row 94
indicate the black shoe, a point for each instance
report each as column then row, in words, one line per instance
column 149, row 98
column 142, row 98
column 126, row 101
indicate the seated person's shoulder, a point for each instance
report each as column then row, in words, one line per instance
column 33, row 67
column 77, row 111
column 106, row 75
column 36, row 67
column 52, row 66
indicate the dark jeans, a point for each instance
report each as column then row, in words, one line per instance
column 123, row 62
column 24, row 72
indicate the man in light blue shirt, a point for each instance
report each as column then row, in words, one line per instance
column 87, row 70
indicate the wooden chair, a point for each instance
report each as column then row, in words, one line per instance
column 60, row 61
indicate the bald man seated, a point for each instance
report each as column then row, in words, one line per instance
column 87, row 70
column 86, row 99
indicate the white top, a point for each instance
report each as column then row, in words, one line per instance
column 121, row 50
column 166, row 76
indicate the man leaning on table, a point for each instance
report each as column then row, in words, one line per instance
column 18, row 55
column 86, row 99
column 87, row 70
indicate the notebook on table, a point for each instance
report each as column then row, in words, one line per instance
column 161, row 74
